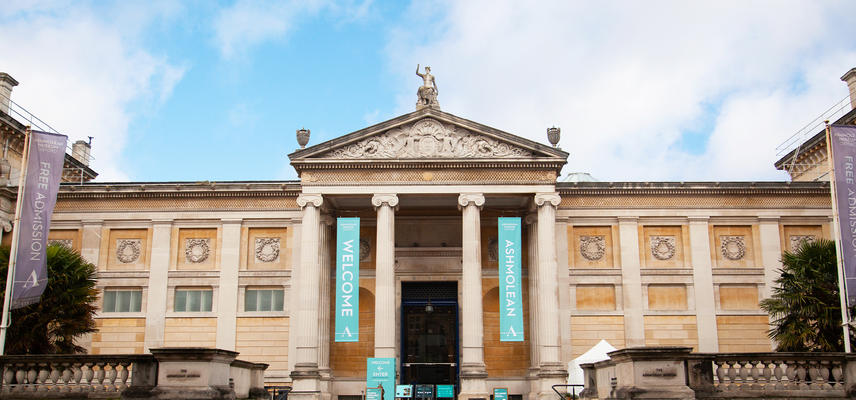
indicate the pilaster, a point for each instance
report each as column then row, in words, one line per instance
column 771, row 253
column 158, row 279
column 385, row 205
column 325, row 276
column 473, row 373
column 631, row 282
column 708, row 340
column 227, row 294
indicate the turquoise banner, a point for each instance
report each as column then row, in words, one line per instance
column 347, row 280
column 381, row 372
column 510, row 285
column 500, row 394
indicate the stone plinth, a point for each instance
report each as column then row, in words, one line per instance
column 193, row 373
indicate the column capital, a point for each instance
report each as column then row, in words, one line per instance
column 530, row 219
column 464, row 199
column 305, row 199
column 391, row 199
column 327, row 220
column 544, row 198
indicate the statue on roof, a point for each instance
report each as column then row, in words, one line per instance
column 427, row 93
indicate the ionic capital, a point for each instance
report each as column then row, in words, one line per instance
column 544, row 198
column 464, row 199
column 530, row 219
column 327, row 220
column 306, row 199
column 389, row 199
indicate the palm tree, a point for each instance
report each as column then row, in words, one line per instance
column 805, row 305
column 66, row 310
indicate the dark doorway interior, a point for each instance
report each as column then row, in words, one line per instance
column 429, row 333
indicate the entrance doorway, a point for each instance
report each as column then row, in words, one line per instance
column 429, row 333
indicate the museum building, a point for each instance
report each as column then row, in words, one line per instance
column 250, row 266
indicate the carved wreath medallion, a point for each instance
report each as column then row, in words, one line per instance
column 428, row 138
column 197, row 250
column 732, row 247
column 365, row 250
column 267, row 249
column 128, row 250
column 592, row 248
column 798, row 240
column 62, row 242
column 663, row 247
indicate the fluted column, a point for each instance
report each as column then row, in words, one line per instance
column 473, row 372
column 531, row 221
column 324, row 316
column 551, row 370
column 385, row 205
column 304, row 326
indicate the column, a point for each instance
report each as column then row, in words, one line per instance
column 531, row 221
column 227, row 288
column 158, row 279
column 385, row 205
column 708, row 340
column 551, row 369
column 631, row 282
column 304, row 325
column 324, row 304
column 473, row 373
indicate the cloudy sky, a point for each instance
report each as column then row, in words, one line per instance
column 653, row 90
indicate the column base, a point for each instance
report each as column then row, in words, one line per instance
column 473, row 382
column 305, row 382
column 549, row 375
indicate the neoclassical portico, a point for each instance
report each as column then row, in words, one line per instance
column 435, row 177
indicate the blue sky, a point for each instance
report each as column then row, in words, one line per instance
column 657, row 90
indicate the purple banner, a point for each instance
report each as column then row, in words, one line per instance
column 843, row 141
column 44, row 171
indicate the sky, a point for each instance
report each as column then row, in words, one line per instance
column 642, row 90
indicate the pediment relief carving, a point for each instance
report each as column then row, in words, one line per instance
column 428, row 138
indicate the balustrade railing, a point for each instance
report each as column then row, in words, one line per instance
column 69, row 373
column 778, row 372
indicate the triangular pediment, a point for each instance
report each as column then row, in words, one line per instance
column 428, row 134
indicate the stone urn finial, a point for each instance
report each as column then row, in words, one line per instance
column 302, row 137
column 553, row 135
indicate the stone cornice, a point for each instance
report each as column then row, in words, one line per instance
column 693, row 188
column 179, row 190
column 329, row 164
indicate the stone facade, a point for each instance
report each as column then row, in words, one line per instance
column 249, row 266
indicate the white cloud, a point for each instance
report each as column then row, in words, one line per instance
column 247, row 23
column 624, row 80
column 81, row 72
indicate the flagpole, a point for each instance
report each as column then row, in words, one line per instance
column 845, row 314
column 13, row 254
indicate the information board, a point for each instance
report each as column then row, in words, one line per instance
column 445, row 391
column 500, row 394
column 374, row 394
column 381, row 371
column 404, row 391
column 423, row 391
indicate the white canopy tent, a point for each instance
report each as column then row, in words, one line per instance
column 594, row 354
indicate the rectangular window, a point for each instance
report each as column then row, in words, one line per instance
column 122, row 300
column 263, row 300
column 193, row 299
